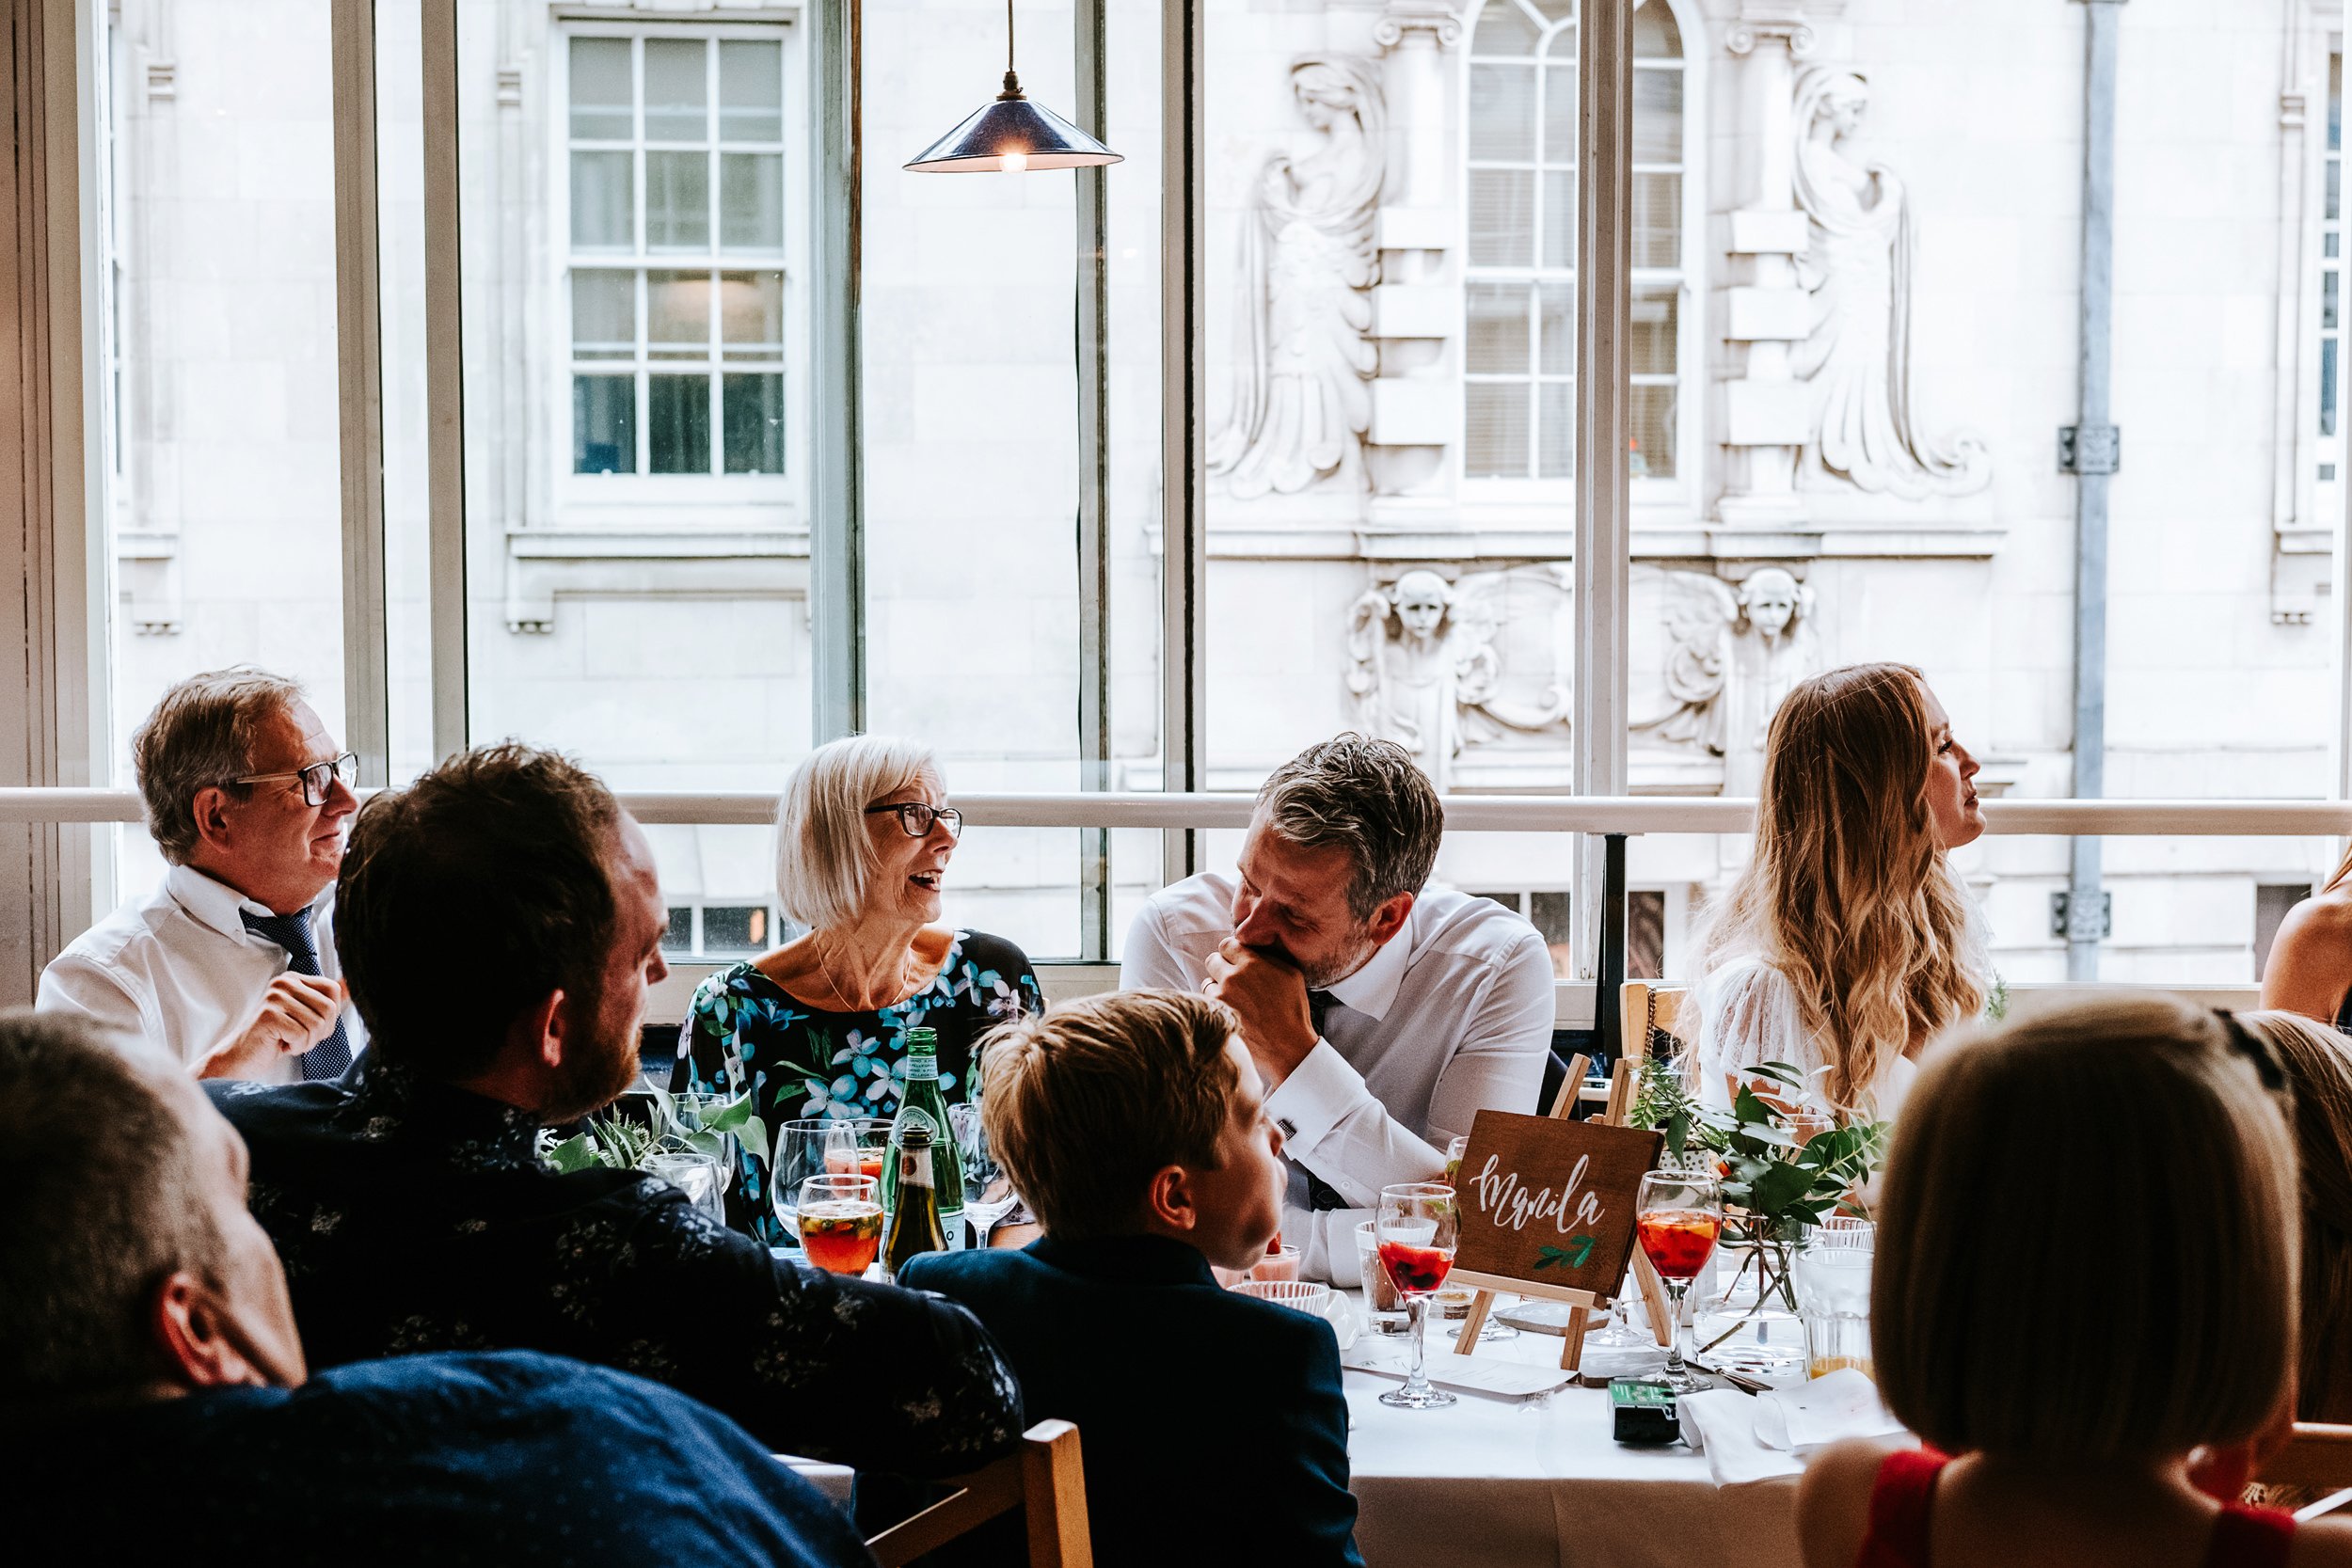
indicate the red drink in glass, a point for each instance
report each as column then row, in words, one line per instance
column 1414, row 1271
column 841, row 1236
column 868, row 1163
column 1678, row 1241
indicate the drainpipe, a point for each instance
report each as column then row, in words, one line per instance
column 2090, row 450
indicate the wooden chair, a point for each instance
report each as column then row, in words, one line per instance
column 1646, row 1012
column 1043, row 1477
column 2317, row 1457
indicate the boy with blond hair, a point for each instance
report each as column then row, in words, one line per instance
column 1133, row 1126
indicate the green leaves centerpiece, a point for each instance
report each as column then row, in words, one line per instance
column 1784, row 1163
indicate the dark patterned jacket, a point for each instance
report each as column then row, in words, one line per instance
column 413, row 1216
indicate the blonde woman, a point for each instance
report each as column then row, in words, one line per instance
column 2086, row 1273
column 817, row 1027
column 1847, row 943
column 2317, row 1062
column 2310, row 970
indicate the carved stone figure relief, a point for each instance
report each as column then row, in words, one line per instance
column 1858, row 273
column 1440, row 666
column 1301, row 402
column 1731, row 656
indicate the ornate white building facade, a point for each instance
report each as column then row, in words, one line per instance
column 1858, row 231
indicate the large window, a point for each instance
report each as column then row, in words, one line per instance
column 1884, row 299
column 676, row 229
column 1519, row 346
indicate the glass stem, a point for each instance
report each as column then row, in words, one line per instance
column 1674, row 1363
column 1415, row 1312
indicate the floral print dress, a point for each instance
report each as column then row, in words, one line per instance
column 744, row 1031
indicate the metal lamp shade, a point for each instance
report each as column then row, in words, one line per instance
column 1029, row 133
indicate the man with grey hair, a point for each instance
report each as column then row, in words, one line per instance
column 229, row 966
column 1382, row 1014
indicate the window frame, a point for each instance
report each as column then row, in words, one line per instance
column 641, row 501
column 1531, row 503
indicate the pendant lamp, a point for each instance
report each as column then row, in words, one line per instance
column 1011, row 135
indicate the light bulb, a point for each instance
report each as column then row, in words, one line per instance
column 1015, row 162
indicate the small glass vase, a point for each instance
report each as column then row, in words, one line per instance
column 1752, row 1326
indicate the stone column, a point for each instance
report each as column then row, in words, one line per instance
column 1766, row 410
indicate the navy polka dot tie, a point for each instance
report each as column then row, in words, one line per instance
column 291, row 932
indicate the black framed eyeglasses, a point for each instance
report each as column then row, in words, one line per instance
column 917, row 818
column 316, row 778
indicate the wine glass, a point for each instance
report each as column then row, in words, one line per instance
column 856, row 1145
column 841, row 1222
column 1415, row 1229
column 987, row 1195
column 1679, row 1215
column 800, row 1154
column 1495, row 1330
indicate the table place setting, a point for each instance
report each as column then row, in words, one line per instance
column 1751, row 1437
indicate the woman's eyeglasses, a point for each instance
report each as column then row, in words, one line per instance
column 917, row 818
column 317, row 778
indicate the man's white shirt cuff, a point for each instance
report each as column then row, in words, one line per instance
column 1320, row 1093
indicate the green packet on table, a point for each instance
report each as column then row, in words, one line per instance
column 1642, row 1411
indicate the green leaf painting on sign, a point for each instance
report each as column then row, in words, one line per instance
column 1579, row 1247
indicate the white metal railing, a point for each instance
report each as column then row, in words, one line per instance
column 1463, row 813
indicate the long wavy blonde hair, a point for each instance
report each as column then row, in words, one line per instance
column 1848, row 895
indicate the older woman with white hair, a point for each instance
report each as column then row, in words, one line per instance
column 817, row 1027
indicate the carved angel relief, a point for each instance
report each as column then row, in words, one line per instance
column 1301, row 402
column 1731, row 655
column 1425, row 670
column 1858, row 270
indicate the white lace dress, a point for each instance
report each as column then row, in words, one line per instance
column 1748, row 1014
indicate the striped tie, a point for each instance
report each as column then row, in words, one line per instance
column 291, row 932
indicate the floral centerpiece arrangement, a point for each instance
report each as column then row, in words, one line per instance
column 700, row 1125
column 1783, row 1159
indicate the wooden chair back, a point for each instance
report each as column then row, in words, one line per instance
column 1043, row 1477
column 2317, row 1455
column 1648, row 1016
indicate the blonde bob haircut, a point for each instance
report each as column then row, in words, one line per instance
column 825, row 859
column 2087, row 1239
column 2318, row 1066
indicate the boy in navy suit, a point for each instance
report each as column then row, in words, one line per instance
column 1212, row 1424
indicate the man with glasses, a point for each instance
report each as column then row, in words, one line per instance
column 229, row 966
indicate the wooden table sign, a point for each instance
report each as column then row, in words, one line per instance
column 1549, row 1210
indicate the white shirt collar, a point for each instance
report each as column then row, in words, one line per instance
column 213, row 902
column 1371, row 990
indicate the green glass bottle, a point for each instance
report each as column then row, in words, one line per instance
column 925, row 1105
column 916, row 1226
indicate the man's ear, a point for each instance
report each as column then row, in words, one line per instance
column 196, row 1337
column 1388, row 919
column 540, row 1029
column 209, row 812
column 1169, row 1202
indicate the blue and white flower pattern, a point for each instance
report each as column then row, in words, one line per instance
column 742, row 1030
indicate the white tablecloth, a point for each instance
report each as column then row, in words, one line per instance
column 1520, row 1484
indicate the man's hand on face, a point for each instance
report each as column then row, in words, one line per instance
column 297, row 1012
column 1270, row 995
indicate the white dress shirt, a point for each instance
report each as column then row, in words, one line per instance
column 179, row 970
column 1451, row 1016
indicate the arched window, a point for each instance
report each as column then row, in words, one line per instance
column 1520, row 348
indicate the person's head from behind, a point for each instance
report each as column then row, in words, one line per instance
column 2086, row 1240
column 1137, row 1113
column 1849, row 893
column 499, row 921
column 243, row 783
column 1344, row 837
column 864, row 835
column 2317, row 1062
column 129, row 1268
